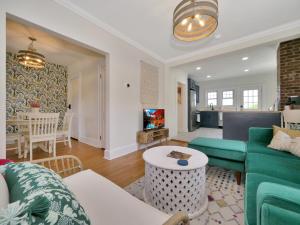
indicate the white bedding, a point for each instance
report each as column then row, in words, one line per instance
column 108, row 204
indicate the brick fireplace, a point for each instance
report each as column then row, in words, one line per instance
column 288, row 70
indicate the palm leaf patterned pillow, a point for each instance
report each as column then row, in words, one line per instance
column 295, row 126
column 38, row 196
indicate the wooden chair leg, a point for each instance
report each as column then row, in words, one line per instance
column 238, row 176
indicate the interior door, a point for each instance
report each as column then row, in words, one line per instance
column 74, row 101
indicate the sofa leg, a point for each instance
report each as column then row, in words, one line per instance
column 238, row 176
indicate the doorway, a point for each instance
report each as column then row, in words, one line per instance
column 86, row 100
column 74, row 106
column 181, row 107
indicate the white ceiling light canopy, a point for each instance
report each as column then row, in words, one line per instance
column 208, row 76
column 198, row 68
column 246, row 70
column 195, row 19
column 218, row 36
column 245, row 58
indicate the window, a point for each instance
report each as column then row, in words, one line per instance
column 212, row 98
column 250, row 99
column 227, row 98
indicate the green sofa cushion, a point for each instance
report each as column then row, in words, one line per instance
column 286, row 168
column 253, row 180
column 41, row 197
column 220, row 148
column 263, row 149
column 260, row 135
column 227, row 164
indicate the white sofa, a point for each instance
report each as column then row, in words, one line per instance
column 108, row 204
column 105, row 202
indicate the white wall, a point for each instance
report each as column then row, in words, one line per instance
column 173, row 76
column 123, row 116
column 2, row 82
column 267, row 83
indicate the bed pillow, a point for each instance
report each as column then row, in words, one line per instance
column 292, row 133
column 41, row 197
column 4, row 194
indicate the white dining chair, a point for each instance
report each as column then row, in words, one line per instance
column 64, row 134
column 42, row 128
column 12, row 142
column 22, row 130
column 291, row 118
column 16, row 138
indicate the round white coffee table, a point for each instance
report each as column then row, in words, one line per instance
column 172, row 188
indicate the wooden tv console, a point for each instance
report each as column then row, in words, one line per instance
column 147, row 137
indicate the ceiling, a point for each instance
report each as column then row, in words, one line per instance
column 261, row 60
column 55, row 49
column 148, row 23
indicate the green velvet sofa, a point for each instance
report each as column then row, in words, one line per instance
column 272, row 188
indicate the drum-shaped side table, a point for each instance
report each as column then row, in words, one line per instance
column 172, row 188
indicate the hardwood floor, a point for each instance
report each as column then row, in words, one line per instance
column 122, row 171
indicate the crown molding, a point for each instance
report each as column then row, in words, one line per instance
column 283, row 32
column 84, row 14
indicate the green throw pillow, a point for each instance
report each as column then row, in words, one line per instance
column 39, row 197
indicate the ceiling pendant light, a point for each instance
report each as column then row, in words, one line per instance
column 195, row 19
column 30, row 57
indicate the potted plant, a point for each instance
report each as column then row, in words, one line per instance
column 35, row 106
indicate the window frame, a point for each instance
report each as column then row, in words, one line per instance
column 217, row 97
column 259, row 97
column 233, row 98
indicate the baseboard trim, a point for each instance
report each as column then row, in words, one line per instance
column 181, row 141
column 90, row 141
column 120, row 151
column 146, row 146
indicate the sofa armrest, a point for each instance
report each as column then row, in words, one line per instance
column 64, row 165
column 271, row 215
column 277, row 201
column 179, row 218
column 260, row 135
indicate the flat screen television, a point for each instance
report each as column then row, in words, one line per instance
column 154, row 119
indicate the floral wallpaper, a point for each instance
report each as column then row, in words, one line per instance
column 48, row 86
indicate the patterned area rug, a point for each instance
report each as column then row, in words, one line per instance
column 226, row 204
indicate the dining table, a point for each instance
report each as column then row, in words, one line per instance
column 13, row 121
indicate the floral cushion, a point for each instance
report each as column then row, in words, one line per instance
column 295, row 126
column 38, row 196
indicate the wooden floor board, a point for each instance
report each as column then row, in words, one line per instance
column 122, row 171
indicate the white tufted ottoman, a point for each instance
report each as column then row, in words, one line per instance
column 172, row 188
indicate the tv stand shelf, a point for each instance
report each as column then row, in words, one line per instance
column 147, row 137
